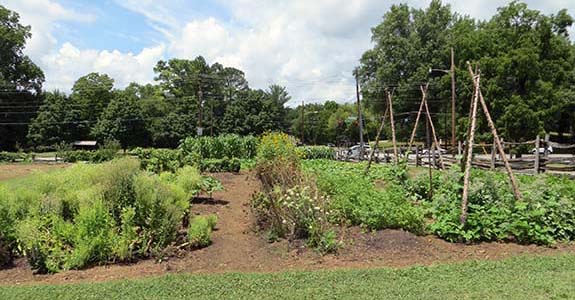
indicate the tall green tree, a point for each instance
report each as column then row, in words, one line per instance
column 56, row 121
column 526, row 60
column 20, row 81
column 92, row 92
column 123, row 121
column 15, row 67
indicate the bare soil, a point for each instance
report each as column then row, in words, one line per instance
column 238, row 248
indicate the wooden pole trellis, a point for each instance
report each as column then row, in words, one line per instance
column 469, row 149
column 421, row 107
column 514, row 185
column 432, row 128
column 478, row 95
column 390, row 106
column 379, row 130
column 423, row 95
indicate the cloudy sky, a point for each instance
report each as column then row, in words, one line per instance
column 309, row 46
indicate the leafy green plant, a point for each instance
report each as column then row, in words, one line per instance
column 159, row 160
column 544, row 215
column 14, row 156
column 316, row 152
column 228, row 145
column 216, row 165
column 378, row 201
column 200, row 231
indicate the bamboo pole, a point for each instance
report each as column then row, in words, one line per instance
column 498, row 143
column 379, row 130
column 390, row 106
column 417, row 118
column 469, row 149
column 537, row 146
column 432, row 128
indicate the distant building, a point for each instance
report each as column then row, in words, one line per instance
column 85, row 145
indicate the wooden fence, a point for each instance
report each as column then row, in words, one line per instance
column 486, row 157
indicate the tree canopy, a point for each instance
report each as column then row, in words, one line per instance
column 526, row 59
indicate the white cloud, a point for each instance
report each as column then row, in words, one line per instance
column 69, row 63
column 64, row 63
column 309, row 46
column 43, row 16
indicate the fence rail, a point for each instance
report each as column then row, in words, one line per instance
column 542, row 160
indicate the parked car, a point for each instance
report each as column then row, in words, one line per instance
column 353, row 151
column 441, row 151
column 542, row 150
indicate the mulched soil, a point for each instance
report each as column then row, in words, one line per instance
column 238, row 248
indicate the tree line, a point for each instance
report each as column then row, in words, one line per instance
column 527, row 60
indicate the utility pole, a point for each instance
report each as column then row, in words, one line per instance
column 302, row 121
column 453, row 117
column 360, row 119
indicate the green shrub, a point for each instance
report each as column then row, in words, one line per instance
column 7, row 236
column 545, row 214
column 95, row 214
column 159, row 211
column 277, row 161
column 14, row 156
column 228, row 145
column 216, row 165
column 200, row 231
column 212, row 221
column 159, row 160
column 94, row 236
column 128, row 240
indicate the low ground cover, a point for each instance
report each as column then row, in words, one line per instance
column 392, row 198
column 517, row 278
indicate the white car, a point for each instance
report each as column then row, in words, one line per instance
column 441, row 151
column 353, row 151
column 542, row 150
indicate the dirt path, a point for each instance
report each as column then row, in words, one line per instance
column 237, row 248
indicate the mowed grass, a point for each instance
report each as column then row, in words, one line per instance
column 516, row 278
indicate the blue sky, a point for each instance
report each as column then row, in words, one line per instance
column 309, row 46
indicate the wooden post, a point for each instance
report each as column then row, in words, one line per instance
column 493, row 156
column 200, row 100
column 417, row 164
column 423, row 95
column 379, row 130
column 546, row 146
column 491, row 124
column 430, row 175
column 537, row 145
column 452, row 73
column 432, row 129
column 469, row 149
column 302, row 122
column 360, row 119
column 459, row 148
column 390, row 106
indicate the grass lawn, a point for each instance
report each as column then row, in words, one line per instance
column 517, row 278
